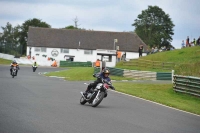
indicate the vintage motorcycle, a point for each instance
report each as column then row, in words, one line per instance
column 96, row 95
column 34, row 68
column 14, row 71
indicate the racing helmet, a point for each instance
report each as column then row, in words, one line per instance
column 106, row 71
column 14, row 62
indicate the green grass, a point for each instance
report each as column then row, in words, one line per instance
column 186, row 55
column 161, row 93
column 4, row 61
column 81, row 74
column 187, row 61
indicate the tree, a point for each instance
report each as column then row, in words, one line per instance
column 24, row 30
column 70, row 27
column 10, row 39
column 154, row 26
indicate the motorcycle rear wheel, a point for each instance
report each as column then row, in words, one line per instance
column 96, row 101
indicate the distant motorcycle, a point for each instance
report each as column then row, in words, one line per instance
column 96, row 95
column 14, row 71
column 34, row 68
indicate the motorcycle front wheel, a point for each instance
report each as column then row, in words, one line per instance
column 13, row 74
column 82, row 100
column 97, row 100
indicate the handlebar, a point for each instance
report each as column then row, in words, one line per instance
column 109, row 84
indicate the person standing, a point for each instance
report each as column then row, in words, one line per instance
column 183, row 44
column 123, row 57
column 118, row 55
column 140, row 50
column 97, row 63
column 198, row 41
column 187, row 41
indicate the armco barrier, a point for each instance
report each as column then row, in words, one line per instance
column 148, row 75
column 116, row 71
column 163, row 76
column 187, row 84
column 135, row 74
column 75, row 64
column 113, row 71
column 96, row 69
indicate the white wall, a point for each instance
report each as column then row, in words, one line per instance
column 132, row 55
column 6, row 56
column 79, row 55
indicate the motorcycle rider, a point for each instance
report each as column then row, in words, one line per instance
column 35, row 65
column 14, row 63
column 103, row 75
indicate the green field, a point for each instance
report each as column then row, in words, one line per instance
column 187, row 61
column 81, row 74
column 161, row 93
column 4, row 61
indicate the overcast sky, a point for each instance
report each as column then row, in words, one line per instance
column 103, row 15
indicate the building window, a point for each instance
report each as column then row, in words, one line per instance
column 37, row 49
column 40, row 49
column 43, row 49
column 64, row 50
column 87, row 51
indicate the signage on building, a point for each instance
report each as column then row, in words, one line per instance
column 106, row 51
column 54, row 53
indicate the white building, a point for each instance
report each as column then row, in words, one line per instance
column 81, row 45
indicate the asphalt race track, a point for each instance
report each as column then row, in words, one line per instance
column 33, row 103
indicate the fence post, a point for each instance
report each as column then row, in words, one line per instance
column 172, row 76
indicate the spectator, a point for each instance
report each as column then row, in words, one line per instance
column 187, row 41
column 198, row 41
column 118, row 56
column 190, row 44
column 140, row 50
column 124, row 57
column 155, row 50
column 97, row 63
column 183, row 44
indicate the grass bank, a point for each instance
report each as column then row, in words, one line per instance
column 186, row 60
column 4, row 61
column 161, row 93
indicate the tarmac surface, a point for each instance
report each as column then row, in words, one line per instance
column 33, row 103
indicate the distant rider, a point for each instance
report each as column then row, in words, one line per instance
column 35, row 65
column 14, row 64
column 103, row 75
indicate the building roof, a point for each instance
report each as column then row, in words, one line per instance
column 83, row 39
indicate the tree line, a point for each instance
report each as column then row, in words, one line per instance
column 153, row 26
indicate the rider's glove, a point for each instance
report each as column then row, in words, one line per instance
column 112, row 87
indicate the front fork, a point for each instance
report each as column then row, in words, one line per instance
column 97, row 96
